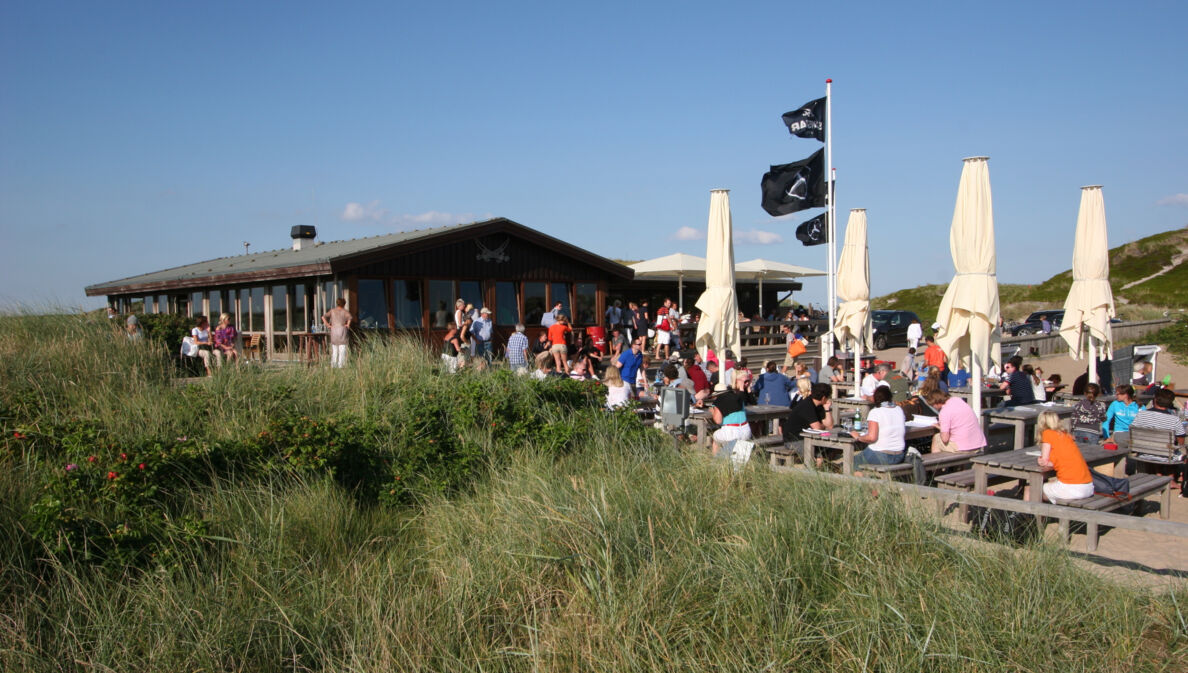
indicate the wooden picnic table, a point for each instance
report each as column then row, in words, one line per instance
column 767, row 415
column 990, row 396
column 1023, row 464
column 850, row 404
column 838, row 439
column 1022, row 416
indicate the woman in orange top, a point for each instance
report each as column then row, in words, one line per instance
column 1059, row 451
column 557, row 333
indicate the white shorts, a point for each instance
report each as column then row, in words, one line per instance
column 729, row 433
column 663, row 338
column 1056, row 490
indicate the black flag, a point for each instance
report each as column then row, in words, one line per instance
column 795, row 186
column 808, row 121
column 813, row 232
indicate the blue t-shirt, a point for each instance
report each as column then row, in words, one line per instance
column 1120, row 415
column 631, row 364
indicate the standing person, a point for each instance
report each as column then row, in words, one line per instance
column 1088, row 415
column 629, row 363
column 451, row 347
column 730, row 412
column 790, row 348
column 517, row 351
column 639, row 323
column 663, row 330
column 908, row 366
column 934, row 356
column 482, row 334
column 1018, row 384
column 338, row 322
column 202, row 339
column 558, row 335
column 1059, row 451
column 614, row 316
column 224, row 339
column 915, row 332
column 466, row 337
column 459, row 313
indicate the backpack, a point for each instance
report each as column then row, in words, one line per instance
column 998, row 525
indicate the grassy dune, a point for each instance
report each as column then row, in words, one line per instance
column 610, row 551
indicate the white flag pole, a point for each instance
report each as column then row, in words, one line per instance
column 831, row 219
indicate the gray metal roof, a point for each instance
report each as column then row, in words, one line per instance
column 311, row 256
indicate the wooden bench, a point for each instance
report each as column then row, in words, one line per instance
column 932, row 463
column 1141, row 486
column 779, row 457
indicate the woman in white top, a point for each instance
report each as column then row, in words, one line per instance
column 617, row 392
column 201, row 334
column 884, row 433
column 1037, row 383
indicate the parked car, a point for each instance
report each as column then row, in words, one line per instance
column 1034, row 322
column 890, row 328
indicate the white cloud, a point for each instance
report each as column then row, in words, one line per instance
column 1174, row 200
column 373, row 213
column 358, row 212
column 688, row 234
column 757, row 236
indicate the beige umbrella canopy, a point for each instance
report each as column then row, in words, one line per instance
column 718, row 328
column 968, row 314
column 1090, row 303
column 853, row 286
column 680, row 265
column 760, row 269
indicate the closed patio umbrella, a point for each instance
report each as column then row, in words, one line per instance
column 968, row 313
column 853, row 290
column 718, row 328
column 1090, row 303
column 680, row 265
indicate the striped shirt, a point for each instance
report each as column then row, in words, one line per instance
column 1159, row 420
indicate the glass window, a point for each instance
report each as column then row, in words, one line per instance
column 163, row 303
column 196, row 303
column 406, row 295
column 216, row 305
column 373, row 305
column 280, row 314
column 257, row 310
column 534, row 303
column 297, row 321
column 586, row 295
column 242, row 308
column 441, row 302
column 471, row 292
column 559, row 292
column 507, row 311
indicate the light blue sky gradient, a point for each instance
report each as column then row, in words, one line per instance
column 136, row 136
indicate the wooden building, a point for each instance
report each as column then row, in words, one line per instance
column 405, row 281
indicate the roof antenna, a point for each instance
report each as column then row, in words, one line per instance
column 246, row 245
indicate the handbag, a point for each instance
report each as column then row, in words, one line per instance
column 796, row 348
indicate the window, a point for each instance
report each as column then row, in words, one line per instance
column 534, row 303
column 280, row 313
column 297, row 320
column 441, row 302
column 507, row 310
column 471, row 292
column 406, row 295
column 257, row 309
column 243, row 315
column 163, row 303
column 586, row 296
column 559, row 292
column 196, row 303
column 373, row 305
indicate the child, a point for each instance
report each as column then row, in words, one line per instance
column 1088, row 415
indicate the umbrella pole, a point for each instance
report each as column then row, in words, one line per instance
column 857, row 366
column 681, row 291
column 1092, row 360
column 976, row 397
column 761, row 297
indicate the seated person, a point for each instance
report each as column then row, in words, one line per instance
column 701, row 384
column 874, row 380
column 884, row 434
column 1018, row 383
column 617, row 393
column 1161, row 415
column 224, row 339
column 831, row 372
column 1121, row 411
column 960, row 429
column 1059, row 451
column 811, row 412
column 1088, row 415
column 772, row 387
column 730, row 412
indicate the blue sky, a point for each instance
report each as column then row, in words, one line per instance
column 136, row 136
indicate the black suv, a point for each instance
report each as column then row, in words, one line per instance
column 890, row 327
column 1034, row 322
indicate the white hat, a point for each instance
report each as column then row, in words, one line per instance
column 484, row 310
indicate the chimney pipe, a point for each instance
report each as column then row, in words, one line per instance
column 301, row 234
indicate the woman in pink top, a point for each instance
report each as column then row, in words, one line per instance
column 959, row 427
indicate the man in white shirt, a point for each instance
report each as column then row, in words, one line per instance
column 874, row 380
column 915, row 332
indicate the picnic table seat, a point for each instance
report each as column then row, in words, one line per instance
column 933, row 462
column 1153, row 446
column 1141, row 486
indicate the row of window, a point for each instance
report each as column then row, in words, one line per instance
column 410, row 306
column 410, row 303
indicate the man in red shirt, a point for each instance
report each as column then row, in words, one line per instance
column 701, row 384
column 663, row 329
column 933, row 355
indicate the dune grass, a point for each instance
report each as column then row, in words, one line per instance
column 615, row 554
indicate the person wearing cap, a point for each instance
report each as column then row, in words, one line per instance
column 132, row 329
column 482, row 334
